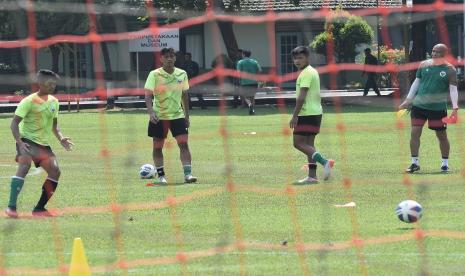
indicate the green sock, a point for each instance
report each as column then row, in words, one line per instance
column 16, row 185
column 319, row 158
column 187, row 169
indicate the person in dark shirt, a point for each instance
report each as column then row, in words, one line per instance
column 371, row 80
column 192, row 69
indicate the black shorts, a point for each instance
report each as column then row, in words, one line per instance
column 37, row 152
column 308, row 125
column 160, row 129
column 434, row 117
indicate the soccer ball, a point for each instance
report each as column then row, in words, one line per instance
column 409, row 211
column 147, row 171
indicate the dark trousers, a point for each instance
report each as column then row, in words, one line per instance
column 371, row 83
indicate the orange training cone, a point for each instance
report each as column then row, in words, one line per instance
column 78, row 266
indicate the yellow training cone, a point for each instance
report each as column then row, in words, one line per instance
column 78, row 266
column 401, row 113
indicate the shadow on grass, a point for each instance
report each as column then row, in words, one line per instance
column 305, row 184
column 406, row 228
column 155, row 185
column 432, row 173
column 266, row 109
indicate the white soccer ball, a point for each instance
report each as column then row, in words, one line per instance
column 409, row 211
column 147, row 171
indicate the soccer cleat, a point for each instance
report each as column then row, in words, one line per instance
column 42, row 212
column 161, row 180
column 327, row 169
column 445, row 169
column 308, row 180
column 251, row 110
column 11, row 212
column 190, row 178
column 413, row 168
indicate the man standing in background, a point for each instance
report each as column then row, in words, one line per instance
column 371, row 80
column 192, row 69
column 248, row 87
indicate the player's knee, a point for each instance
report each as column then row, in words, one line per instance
column 297, row 145
column 158, row 144
column 57, row 173
column 442, row 135
column 416, row 133
column 181, row 139
column 24, row 166
column 183, row 145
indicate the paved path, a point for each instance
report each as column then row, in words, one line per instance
column 264, row 97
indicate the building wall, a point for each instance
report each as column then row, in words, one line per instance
column 252, row 37
column 119, row 56
column 44, row 59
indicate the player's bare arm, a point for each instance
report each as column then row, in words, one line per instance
column 298, row 106
column 411, row 94
column 15, row 131
column 64, row 141
column 185, row 106
column 452, row 75
column 148, row 103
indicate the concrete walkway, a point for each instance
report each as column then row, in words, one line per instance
column 268, row 96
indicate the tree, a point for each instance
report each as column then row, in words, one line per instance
column 418, row 29
column 110, row 22
column 225, row 27
column 50, row 23
column 12, row 28
column 347, row 32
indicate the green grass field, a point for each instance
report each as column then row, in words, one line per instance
column 247, row 224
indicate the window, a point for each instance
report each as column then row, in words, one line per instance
column 286, row 43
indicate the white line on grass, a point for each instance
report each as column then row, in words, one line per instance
column 35, row 171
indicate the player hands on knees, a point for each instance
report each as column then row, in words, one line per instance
column 34, row 123
column 306, row 118
column 436, row 80
column 167, row 102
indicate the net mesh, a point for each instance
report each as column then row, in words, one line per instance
column 26, row 36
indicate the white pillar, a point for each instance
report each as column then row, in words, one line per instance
column 137, row 69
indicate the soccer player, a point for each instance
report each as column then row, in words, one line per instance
column 248, row 87
column 427, row 97
column 168, row 85
column 32, row 126
column 307, row 115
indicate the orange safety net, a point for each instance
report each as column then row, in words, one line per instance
column 32, row 43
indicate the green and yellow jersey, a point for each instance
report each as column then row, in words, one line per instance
column 167, row 91
column 309, row 78
column 433, row 92
column 37, row 115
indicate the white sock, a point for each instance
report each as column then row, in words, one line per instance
column 415, row 160
column 445, row 162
